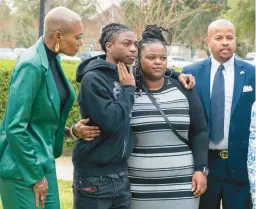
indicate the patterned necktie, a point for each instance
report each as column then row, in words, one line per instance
column 217, row 106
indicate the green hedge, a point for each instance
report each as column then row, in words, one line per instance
column 6, row 67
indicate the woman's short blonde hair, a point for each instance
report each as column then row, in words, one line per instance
column 59, row 19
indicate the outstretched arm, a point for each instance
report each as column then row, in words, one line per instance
column 199, row 140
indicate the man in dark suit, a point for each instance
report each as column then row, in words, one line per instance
column 226, row 87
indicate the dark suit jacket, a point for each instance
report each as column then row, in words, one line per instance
column 240, row 112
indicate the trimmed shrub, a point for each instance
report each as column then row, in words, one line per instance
column 6, row 67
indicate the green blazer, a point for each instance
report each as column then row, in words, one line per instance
column 32, row 132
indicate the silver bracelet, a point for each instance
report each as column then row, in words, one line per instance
column 72, row 133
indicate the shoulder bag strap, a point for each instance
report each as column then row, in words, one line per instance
column 164, row 116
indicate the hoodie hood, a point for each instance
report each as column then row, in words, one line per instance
column 98, row 63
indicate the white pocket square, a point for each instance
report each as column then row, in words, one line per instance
column 241, row 72
column 247, row 88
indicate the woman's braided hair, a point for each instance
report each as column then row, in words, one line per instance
column 152, row 34
column 109, row 31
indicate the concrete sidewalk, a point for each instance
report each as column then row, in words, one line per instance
column 64, row 168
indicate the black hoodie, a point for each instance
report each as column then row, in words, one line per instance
column 108, row 105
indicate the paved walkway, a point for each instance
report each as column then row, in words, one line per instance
column 64, row 166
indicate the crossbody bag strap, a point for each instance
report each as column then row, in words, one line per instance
column 164, row 116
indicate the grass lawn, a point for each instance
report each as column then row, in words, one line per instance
column 66, row 196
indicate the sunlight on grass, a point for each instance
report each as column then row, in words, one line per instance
column 66, row 195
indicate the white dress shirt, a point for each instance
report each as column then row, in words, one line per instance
column 229, row 77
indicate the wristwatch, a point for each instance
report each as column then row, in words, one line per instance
column 204, row 170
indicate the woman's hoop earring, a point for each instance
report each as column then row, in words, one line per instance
column 57, row 47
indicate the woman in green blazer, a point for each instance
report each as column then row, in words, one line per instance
column 32, row 132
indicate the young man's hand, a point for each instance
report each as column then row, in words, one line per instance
column 125, row 78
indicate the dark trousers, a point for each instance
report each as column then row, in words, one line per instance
column 234, row 195
column 104, row 192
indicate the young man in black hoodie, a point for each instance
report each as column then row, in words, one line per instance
column 106, row 97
